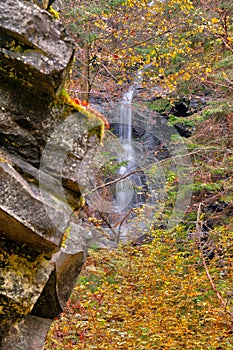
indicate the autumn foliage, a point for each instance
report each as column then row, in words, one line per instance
column 155, row 296
column 179, row 45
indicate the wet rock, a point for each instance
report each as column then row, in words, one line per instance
column 144, row 239
column 180, row 109
column 183, row 130
column 216, row 207
column 154, row 146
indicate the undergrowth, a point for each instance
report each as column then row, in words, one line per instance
column 155, row 296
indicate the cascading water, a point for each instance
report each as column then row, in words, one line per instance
column 125, row 190
column 131, row 188
column 125, row 133
column 132, row 183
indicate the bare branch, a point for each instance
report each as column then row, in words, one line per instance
column 108, row 71
column 167, row 160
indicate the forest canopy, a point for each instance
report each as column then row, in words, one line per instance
column 182, row 46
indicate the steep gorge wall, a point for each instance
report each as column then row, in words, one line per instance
column 40, row 261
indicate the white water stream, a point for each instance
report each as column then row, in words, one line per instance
column 126, row 188
column 125, row 132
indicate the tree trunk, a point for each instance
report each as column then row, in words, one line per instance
column 85, row 86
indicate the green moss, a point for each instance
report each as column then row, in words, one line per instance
column 218, row 109
column 71, row 105
column 160, row 105
column 213, row 187
column 189, row 122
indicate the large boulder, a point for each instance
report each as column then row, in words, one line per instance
column 23, row 210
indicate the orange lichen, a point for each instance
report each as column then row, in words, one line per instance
column 84, row 108
column 86, row 105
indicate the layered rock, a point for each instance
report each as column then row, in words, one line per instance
column 42, row 251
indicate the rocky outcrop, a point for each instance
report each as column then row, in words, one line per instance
column 35, row 49
column 42, row 251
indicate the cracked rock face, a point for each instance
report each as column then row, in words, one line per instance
column 41, row 253
column 22, row 210
column 34, row 48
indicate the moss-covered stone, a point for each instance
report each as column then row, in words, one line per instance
column 72, row 106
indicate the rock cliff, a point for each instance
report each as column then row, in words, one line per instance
column 42, row 250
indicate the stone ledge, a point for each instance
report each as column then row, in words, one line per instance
column 34, row 46
column 23, row 216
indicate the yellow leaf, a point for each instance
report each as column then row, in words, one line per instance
column 214, row 20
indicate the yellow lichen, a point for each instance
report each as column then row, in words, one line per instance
column 82, row 201
column 64, row 96
column 54, row 13
column 65, row 236
column 3, row 160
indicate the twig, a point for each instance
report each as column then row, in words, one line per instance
column 108, row 71
column 122, row 177
column 108, row 223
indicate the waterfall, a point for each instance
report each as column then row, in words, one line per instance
column 125, row 132
column 124, row 189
